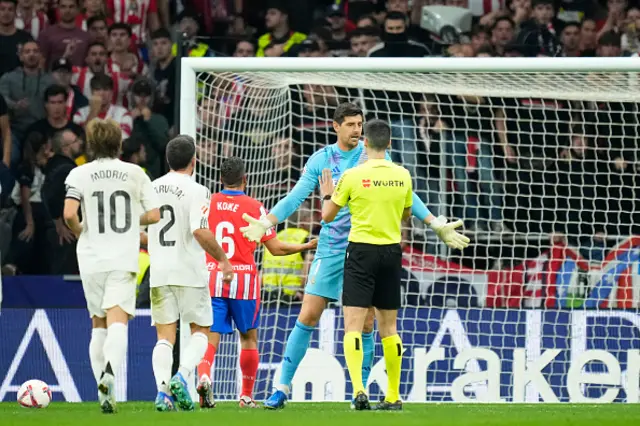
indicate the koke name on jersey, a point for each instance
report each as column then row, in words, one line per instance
column 227, row 207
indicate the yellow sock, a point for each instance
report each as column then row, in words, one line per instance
column 354, row 355
column 392, row 349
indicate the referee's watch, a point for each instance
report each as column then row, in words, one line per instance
column 326, row 198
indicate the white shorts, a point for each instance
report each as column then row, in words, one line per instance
column 104, row 290
column 191, row 304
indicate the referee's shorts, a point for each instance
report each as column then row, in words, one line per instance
column 372, row 275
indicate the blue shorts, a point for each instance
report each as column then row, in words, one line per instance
column 325, row 277
column 245, row 314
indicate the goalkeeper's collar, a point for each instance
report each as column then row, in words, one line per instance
column 231, row 192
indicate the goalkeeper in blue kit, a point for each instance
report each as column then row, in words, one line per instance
column 326, row 273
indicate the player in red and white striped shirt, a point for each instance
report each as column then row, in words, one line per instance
column 239, row 300
column 29, row 19
column 100, row 106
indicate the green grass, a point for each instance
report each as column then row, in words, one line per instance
column 330, row 414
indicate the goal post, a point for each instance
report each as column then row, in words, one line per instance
column 538, row 156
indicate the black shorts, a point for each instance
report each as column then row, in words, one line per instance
column 372, row 276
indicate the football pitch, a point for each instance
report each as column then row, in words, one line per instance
column 326, row 414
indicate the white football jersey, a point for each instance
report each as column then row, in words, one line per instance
column 176, row 257
column 113, row 195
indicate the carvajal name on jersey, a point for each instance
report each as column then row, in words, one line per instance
column 170, row 189
column 109, row 174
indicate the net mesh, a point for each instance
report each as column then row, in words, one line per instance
column 542, row 168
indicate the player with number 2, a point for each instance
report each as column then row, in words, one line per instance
column 238, row 300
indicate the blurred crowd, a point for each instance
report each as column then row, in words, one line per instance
column 561, row 168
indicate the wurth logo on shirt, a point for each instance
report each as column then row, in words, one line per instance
column 366, row 183
column 388, row 183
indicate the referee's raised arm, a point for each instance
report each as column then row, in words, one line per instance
column 379, row 196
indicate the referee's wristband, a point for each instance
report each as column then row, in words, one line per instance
column 326, row 198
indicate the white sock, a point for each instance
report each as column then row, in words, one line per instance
column 193, row 353
column 162, row 361
column 115, row 346
column 284, row 388
column 96, row 351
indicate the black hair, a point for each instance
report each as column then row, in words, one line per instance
column 97, row 18
column 161, row 33
column 121, row 26
column 55, row 90
column 503, row 18
column 346, row 109
column 130, row 147
column 365, row 31
column 378, row 134
column 571, row 24
column 610, row 38
column 96, row 43
column 232, row 172
column 395, row 16
column 535, row 3
column 101, row 81
column 180, row 152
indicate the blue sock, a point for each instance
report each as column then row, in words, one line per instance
column 297, row 345
column 368, row 352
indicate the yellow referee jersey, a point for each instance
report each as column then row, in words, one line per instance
column 377, row 193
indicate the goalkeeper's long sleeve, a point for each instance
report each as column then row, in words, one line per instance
column 303, row 188
column 419, row 209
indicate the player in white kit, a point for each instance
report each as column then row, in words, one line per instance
column 115, row 198
column 179, row 275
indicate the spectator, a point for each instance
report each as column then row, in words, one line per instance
column 139, row 15
column 101, row 105
column 29, row 19
column 66, row 146
column 367, row 21
column 396, row 41
column 339, row 43
column 23, row 90
column 64, row 39
column 479, row 38
column 615, row 17
column 62, row 73
column 93, row 9
column 133, row 151
column 32, row 221
column 363, row 40
column 570, row 39
column 121, row 59
column 280, row 36
column 148, row 126
column 11, row 38
column 609, row 45
column 56, row 99
column 96, row 63
column 244, row 49
column 5, row 133
column 630, row 41
column 502, row 34
column 467, row 139
column 98, row 29
column 588, row 40
column 164, row 74
column 308, row 49
column 538, row 35
column 189, row 26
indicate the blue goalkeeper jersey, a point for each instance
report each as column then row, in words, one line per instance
column 333, row 236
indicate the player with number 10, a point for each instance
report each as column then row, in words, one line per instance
column 239, row 299
column 116, row 198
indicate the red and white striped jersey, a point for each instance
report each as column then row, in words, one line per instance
column 133, row 12
column 82, row 78
column 140, row 68
column 116, row 113
column 225, row 221
column 33, row 25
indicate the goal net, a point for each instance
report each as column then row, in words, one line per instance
column 537, row 156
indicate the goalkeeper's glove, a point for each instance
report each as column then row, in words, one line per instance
column 448, row 234
column 256, row 228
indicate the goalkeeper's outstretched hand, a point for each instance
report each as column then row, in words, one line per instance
column 256, row 228
column 446, row 231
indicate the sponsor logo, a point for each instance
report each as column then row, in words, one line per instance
column 366, row 183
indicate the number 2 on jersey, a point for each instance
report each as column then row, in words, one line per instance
column 224, row 235
column 163, row 232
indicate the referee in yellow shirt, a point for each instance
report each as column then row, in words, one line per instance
column 379, row 197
